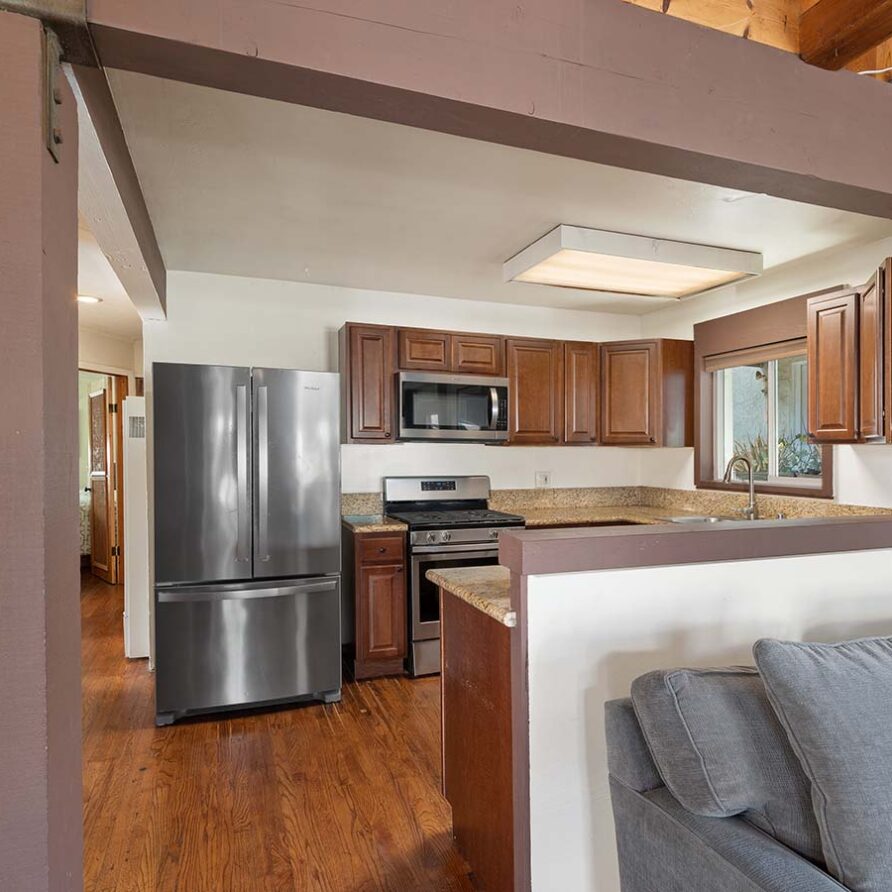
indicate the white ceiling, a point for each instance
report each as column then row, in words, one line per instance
column 253, row 187
column 116, row 315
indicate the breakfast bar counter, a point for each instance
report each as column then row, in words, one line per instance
column 532, row 649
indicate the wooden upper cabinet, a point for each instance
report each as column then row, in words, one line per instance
column 535, row 390
column 369, row 381
column 422, row 350
column 581, row 362
column 630, row 393
column 647, row 393
column 871, row 421
column 478, row 354
column 833, row 367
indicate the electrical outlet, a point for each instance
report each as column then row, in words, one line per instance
column 543, row 479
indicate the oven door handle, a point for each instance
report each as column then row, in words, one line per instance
column 484, row 548
column 494, row 408
column 426, row 557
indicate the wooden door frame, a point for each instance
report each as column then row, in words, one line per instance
column 120, row 386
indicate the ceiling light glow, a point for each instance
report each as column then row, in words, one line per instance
column 617, row 263
column 88, row 299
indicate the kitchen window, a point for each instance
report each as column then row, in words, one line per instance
column 751, row 398
column 761, row 413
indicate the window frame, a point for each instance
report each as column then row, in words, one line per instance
column 768, row 327
column 722, row 433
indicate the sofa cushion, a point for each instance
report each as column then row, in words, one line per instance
column 721, row 751
column 835, row 701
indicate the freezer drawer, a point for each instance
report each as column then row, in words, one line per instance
column 222, row 646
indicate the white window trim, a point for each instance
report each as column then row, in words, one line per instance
column 724, row 433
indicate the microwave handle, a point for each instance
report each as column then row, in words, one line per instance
column 494, row 408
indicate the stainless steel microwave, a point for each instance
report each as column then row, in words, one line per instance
column 463, row 408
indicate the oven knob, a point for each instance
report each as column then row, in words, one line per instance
column 431, row 537
column 493, row 534
column 445, row 536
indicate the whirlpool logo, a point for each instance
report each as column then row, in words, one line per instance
column 311, row 387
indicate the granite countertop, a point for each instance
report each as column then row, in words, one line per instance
column 372, row 523
column 561, row 516
column 485, row 588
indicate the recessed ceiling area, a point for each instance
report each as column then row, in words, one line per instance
column 115, row 314
column 253, row 187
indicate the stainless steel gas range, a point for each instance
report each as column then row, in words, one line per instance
column 449, row 526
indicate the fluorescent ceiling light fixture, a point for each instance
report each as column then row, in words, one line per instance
column 88, row 299
column 614, row 262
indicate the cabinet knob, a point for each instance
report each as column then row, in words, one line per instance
column 399, row 569
column 381, row 549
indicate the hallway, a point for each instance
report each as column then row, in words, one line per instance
column 341, row 798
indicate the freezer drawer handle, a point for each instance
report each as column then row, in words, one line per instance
column 263, row 474
column 242, row 553
column 174, row 596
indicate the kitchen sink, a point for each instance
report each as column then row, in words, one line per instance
column 701, row 518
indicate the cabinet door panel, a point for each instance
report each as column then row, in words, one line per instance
column 535, row 373
column 424, row 350
column 580, row 392
column 371, row 382
column 381, row 630
column 871, row 378
column 630, row 393
column 478, row 354
column 833, row 368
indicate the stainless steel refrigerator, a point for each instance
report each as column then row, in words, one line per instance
column 247, row 537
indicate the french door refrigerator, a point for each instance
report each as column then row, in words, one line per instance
column 247, row 537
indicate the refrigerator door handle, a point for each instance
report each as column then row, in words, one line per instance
column 234, row 593
column 242, row 547
column 263, row 473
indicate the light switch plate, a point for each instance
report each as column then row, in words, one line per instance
column 543, row 479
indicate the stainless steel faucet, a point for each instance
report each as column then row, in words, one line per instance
column 749, row 512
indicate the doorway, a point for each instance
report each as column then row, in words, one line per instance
column 101, row 479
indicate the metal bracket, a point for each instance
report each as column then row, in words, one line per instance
column 52, row 54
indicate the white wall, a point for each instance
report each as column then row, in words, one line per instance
column 239, row 321
column 863, row 474
column 591, row 634
column 107, row 353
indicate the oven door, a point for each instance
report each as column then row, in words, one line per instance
column 452, row 407
column 424, row 601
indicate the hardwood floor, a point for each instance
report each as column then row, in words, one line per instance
column 341, row 798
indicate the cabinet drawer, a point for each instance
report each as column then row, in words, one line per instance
column 380, row 548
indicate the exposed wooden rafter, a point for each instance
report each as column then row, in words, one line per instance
column 835, row 33
column 775, row 22
column 793, row 26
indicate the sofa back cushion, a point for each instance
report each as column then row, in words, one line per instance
column 835, row 701
column 721, row 751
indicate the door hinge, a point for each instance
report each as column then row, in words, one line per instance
column 116, row 550
column 52, row 54
column 112, row 407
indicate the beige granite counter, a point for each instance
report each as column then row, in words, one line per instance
column 372, row 523
column 485, row 588
column 594, row 515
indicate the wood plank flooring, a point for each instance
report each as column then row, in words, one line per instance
column 340, row 798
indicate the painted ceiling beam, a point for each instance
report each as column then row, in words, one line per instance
column 833, row 33
column 601, row 81
column 110, row 198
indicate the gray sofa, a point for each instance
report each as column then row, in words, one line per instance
column 729, row 808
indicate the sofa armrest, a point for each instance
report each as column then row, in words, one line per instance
column 628, row 757
column 664, row 847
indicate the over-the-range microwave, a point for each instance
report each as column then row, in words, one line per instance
column 461, row 408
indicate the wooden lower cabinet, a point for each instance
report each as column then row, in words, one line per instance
column 375, row 599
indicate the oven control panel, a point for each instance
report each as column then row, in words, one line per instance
column 459, row 536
